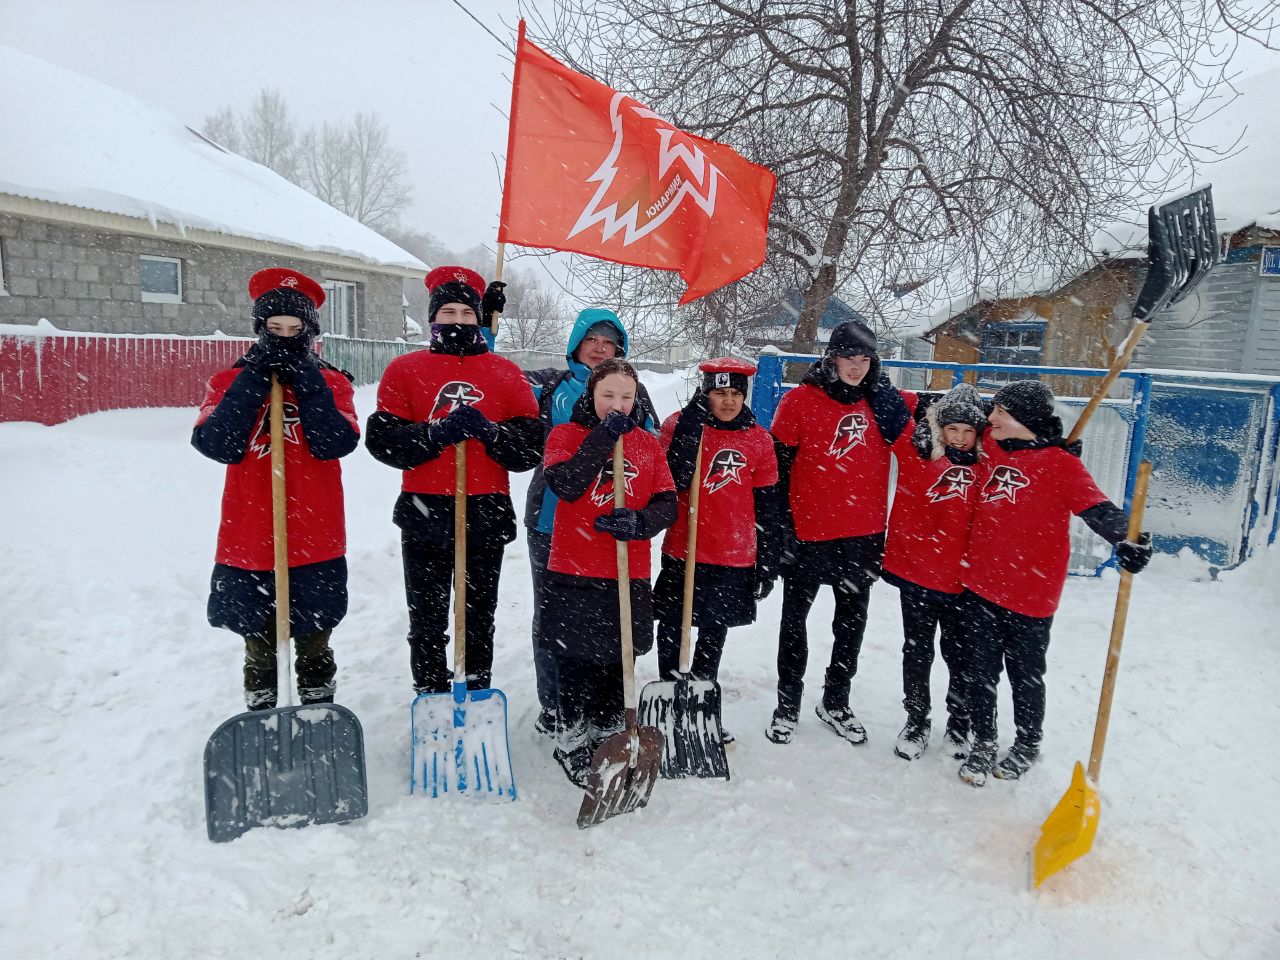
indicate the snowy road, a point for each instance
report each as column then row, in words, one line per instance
column 112, row 681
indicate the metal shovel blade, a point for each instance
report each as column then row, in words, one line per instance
column 1067, row 834
column 286, row 767
column 619, row 782
column 687, row 714
column 459, row 745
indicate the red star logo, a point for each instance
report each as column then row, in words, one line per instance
column 603, row 492
column 1004, row 484
column 726, row 468
column 261, row 442
column 954, row 482
column 455, row 394
column 850, row 432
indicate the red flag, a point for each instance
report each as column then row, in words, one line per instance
column 590, row 170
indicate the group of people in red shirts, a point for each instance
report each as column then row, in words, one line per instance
column 977, row 542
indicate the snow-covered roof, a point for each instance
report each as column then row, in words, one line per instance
column 72, row 140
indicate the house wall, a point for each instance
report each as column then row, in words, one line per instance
column 1264, row 355
column 949, row 349
column 1208, row 330
column 88, row 280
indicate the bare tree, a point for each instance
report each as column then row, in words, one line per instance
column 223, row 128
column 268, row 134
column 973, row 143
column 536, row 317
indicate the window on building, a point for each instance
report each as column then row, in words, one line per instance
column 1013, row 344
column 161, row 279
column 339, row 310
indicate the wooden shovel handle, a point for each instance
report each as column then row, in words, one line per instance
column 624, row 601
column 690, row 563
column 460, row 562
column 1130, row 344
column 1117, row 626
column 280, row 536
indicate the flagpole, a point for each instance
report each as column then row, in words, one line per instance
column 497, row 276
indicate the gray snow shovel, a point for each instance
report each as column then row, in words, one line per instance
column 459, row 739
column 290, row 766
column 625, row 766
column 687, row 711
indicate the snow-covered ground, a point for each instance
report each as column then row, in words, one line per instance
column 112, row 681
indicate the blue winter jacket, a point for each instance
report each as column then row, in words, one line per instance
column 557, row 391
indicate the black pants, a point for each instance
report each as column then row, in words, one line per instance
column 589, row 698
column 852, row 593
column 707, row 651
column 997, row 638
column 314, row 668
column 544, row 661
column 923, row 612
column 428, row 582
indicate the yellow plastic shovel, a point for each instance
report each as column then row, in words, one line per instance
column 1067, row 835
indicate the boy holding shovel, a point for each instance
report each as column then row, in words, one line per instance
column 738, row 537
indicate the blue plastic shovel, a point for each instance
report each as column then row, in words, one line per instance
column 459, row 739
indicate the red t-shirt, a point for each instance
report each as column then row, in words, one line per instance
column 840, row 478
column 734, row 464
column 577, row 547
column 316, row 522
column 423, row 386
column 1019, row 544
column 932, row 509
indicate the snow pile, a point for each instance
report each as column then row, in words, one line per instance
column 112, row 682
column 87, row 145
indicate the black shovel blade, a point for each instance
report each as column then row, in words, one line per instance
column 620, row 783
column 286, row 767
column 1182, row 246
column 687, row 713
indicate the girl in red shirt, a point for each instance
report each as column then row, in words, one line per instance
column 1016, row 565
column 578, row 605
column 939, row 475
column 738, row 539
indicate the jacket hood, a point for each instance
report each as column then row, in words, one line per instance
column 586, row 320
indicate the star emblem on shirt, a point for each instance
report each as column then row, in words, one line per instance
column 1004, row 484
column 850, row 432
column 261, row 442
column 726, row 468
column 455, row 394
column 954, row 483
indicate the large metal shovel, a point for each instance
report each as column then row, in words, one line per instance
column 459, row 742
column 1068, row 833
column 625, row 765
column 1182, row 246
column 290, row 766
column 687, row 711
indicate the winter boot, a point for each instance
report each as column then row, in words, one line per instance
column 573, row 753
column 956, row 740
column 431, row 673
column 260, row 699
column 546, row 722
column 787, row 714
column 1017, row 761
column 317, row 694
column 781, row 727
column 842, row 721
column 982, row 757
column 913, row 738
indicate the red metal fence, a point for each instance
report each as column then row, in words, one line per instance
column 48, row 378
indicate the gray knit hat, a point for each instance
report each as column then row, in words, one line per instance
column 962, row 405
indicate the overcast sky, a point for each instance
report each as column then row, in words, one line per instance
column 431, row 72
column 426, row 67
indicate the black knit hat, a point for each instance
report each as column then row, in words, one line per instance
column 1030, row 402
column 282, row 302
column 962, row 405
column 853, row 338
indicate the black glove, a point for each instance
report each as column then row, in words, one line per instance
column 465, row 423
column 1134, row 557
column 278, row 355
column 922, row 439
column 616, row 424
column 493, row 301
column 764, row 587
column 622, row 523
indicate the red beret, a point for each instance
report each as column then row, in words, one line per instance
column 442, row 275
column 728, row 365
column 275, row 278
